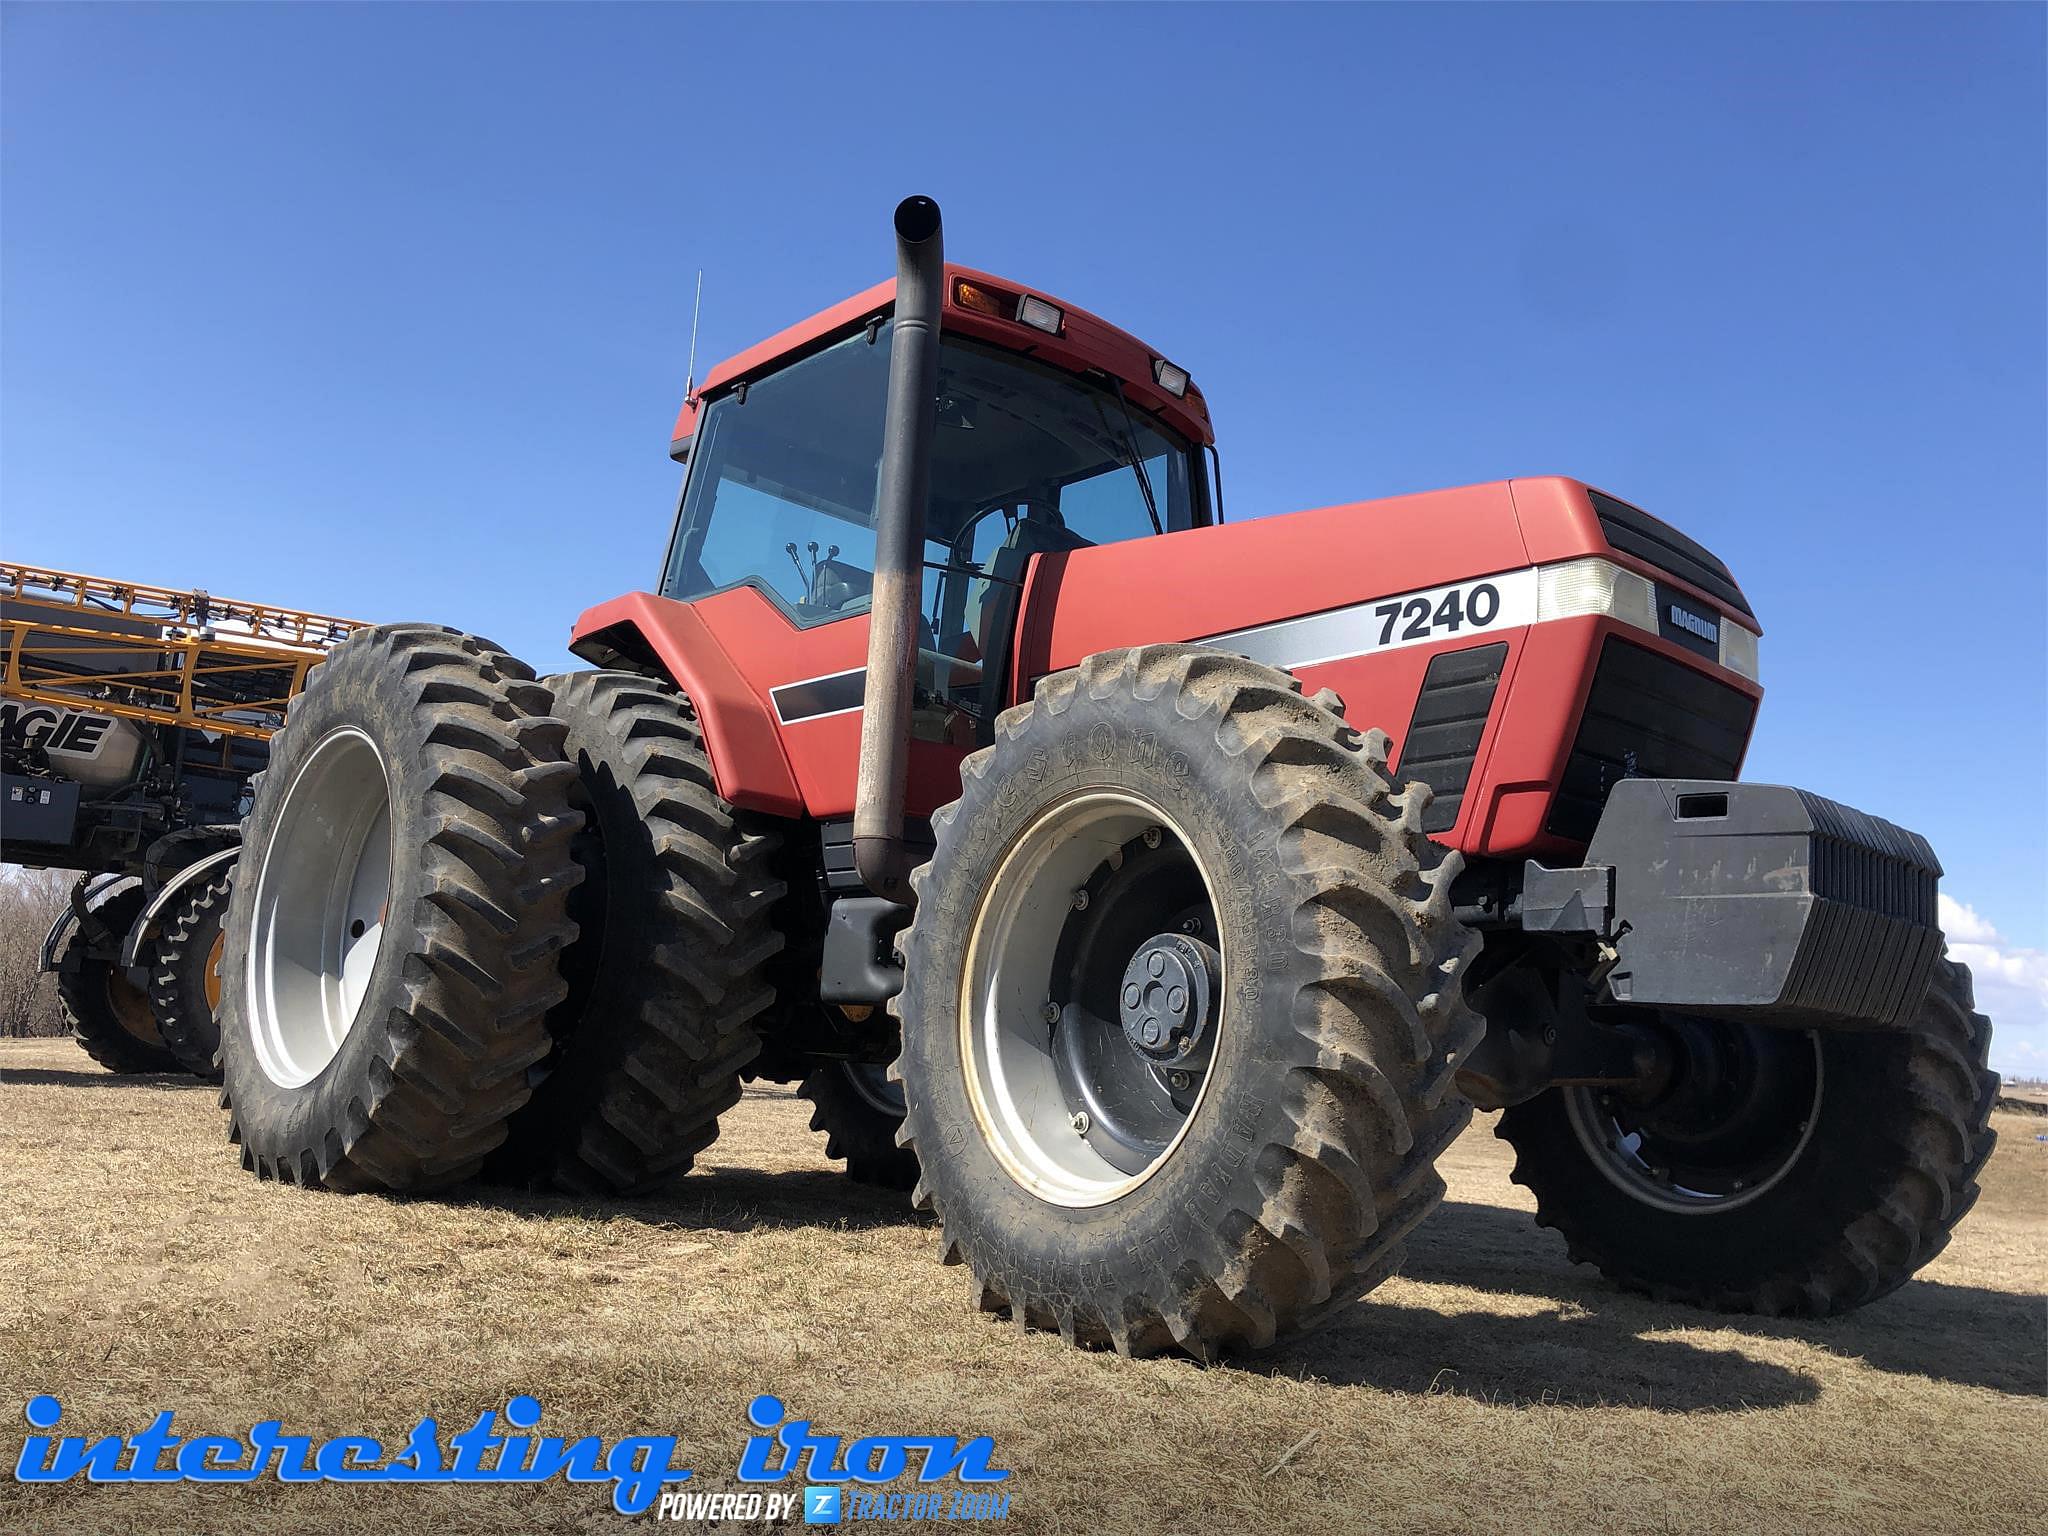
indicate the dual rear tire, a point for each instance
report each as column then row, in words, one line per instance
column 490, row 925
column 666, row 974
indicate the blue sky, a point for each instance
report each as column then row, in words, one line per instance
column 383, row 310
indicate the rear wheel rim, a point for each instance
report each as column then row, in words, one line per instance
column 1072, row 1110
column 1680, row 1156
column 317, row 917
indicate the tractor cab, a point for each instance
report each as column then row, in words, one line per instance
column 1054, row 431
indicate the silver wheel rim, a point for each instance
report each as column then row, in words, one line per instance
column 1620, row 1155
column 1012, row 1078
column 872, row 1083
column 317, row 917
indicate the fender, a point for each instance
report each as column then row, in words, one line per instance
column 147, row 926
column 97, row 885
column 645, row 633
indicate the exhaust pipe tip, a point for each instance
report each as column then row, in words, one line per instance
column 917, row 220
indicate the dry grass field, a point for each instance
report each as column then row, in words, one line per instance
column 1491, row 1387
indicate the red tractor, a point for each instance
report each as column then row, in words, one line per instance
column 1155, row 893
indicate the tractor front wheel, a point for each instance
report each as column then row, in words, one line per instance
column 1182, row 999
column 1784, row 1172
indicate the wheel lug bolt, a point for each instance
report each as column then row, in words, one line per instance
column 1151, row 1032
column 1176, row 999
column 1132, row 996
column 1156, row 963
column 1152, row 837
column 1080, row 1122
column 1080, row 901
column 1051, row 1011
column 1180, row 1080
column 1192, row 925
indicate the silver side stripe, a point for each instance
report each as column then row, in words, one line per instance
column 1389, row 623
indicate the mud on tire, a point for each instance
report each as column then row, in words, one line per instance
column 1871, row 1194
column 1310, row 1153
column 666, row 974
column 109, row 1015
column 459, row 971
column 184, row 976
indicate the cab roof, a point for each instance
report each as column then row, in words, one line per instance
column 1086, row 343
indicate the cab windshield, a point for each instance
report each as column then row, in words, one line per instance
column 781, row 491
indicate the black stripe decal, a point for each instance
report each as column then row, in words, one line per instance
column 816, row 696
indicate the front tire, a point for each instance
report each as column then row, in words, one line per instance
column 397, row 910
column 1217, row 1151
column 1882, row 1137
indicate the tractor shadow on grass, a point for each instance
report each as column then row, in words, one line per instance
column 1538, row 1359
column 1580, row 1343
column 1961, row 1334
column 93, row 1077
column 729, row 1200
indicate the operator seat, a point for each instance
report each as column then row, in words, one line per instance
column 991, row 616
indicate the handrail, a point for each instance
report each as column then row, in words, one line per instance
column 200, row 681
column 194, row 609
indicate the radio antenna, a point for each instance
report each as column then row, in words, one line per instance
column 696, row 310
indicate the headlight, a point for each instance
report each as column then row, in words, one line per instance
column 1593, row 585
column 1738, row 649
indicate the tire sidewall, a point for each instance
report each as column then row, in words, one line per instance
column 1159, row 756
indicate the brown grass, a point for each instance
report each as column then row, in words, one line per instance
column 1492, row 1387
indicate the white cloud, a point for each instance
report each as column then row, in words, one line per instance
column 2012, row 989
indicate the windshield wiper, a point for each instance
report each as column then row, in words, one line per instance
column 1130, row 436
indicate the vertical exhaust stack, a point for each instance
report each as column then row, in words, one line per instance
column 880, row 855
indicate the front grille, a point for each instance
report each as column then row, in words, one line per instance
column 1634, row 532
column 1647, row 717
column 1450, row 717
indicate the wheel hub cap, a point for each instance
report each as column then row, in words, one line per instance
column 1168, row 993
